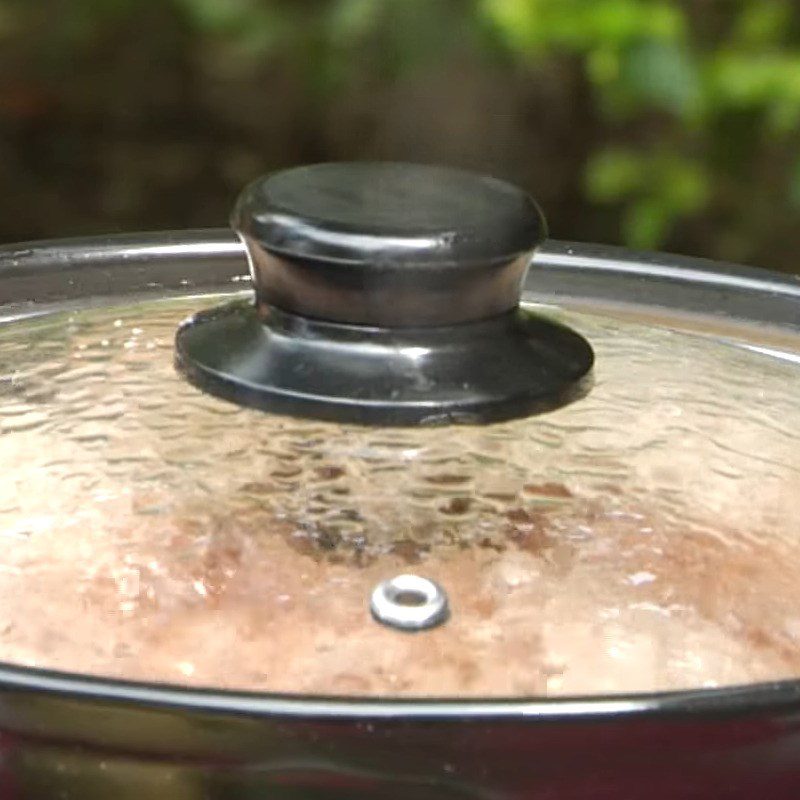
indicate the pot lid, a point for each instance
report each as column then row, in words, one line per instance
column 635, row 533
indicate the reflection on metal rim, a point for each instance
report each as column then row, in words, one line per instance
column 58, row 270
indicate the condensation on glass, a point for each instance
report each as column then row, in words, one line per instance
column 643, row 539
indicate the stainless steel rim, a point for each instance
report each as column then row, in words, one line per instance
column 35, row 274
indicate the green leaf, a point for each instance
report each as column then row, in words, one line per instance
column 612, row 175
column 625, row 21
column 764, row 22
column 349, row 20
column 746, row 80
column 681, row 184
column 535, row 26
column 252, row 27
column 514, row 20
column 646, row 224
column 662, row 74
column 602, row 65
column 216, row 16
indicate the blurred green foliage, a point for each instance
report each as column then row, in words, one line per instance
column 646, row 59
column 698, row 101
column 642, row 57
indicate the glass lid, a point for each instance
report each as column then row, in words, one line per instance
column 618, row 515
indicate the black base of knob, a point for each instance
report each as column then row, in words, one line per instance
column 508, row 366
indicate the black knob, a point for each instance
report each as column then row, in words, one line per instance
column 388, row 244
column 386, row 294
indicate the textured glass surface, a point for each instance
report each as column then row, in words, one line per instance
column 645, row 538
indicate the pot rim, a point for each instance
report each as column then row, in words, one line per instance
column 707, row 703
column 36, row 276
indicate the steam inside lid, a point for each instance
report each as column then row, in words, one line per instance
column 643, row 539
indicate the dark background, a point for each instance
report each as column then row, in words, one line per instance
column 653, row 123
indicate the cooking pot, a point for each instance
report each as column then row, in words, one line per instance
column 387, row 301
